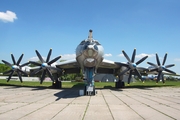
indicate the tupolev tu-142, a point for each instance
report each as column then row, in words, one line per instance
column 89, row 59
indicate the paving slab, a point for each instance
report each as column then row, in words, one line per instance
column 26, row 103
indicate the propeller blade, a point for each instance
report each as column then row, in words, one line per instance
column 130, row 76
column 20, row 78
column 50, row 75
column 133, row 56
column 162, row 75
column 169, row 71
column 159, row 75
column 126, row 56
column 49, row 55
column 138, row 74
column 35, row 63
column 168, row 66
column 24, row 64
column 10, row 76
column 39, row 56
column 43, row 76
column 22, row 72
column 4, row 73
column 19, row 60
column 152, row 64
column 54, row 60
column 127, row 69
column 35, row 71
column 154, row 69
column 141, row 60
column 164, row 59
column 157, row 59
column 13, row 59
column 7, row 63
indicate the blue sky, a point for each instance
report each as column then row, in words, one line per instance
column 150, row 26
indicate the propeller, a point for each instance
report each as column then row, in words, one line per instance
column 160, row 68
column 15, row 67
column 45, row 66
column 131, row 66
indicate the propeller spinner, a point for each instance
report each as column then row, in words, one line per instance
column 160, row 68
column 15, row 67
column 45, row 66
column 132, row 66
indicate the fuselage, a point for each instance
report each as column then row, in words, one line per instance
column 89, row 53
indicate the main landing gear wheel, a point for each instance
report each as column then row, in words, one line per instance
column 119, row 84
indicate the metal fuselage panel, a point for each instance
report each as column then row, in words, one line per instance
column 89, row 53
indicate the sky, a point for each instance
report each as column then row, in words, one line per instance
column 150, row 26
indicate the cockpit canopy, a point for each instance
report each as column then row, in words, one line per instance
column 88, row 42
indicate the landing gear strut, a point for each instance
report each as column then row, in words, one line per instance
column 89, row 88
column 57, row 83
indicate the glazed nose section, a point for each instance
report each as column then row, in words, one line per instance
column 90, row 51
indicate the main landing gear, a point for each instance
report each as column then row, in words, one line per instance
column 119, row 84
column 57, row 83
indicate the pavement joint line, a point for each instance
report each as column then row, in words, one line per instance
column 87, row 106
column 42, row 106
column 65, row 106
column 26, row 104
column 108, row 106
column 151, row 107
column 128, row 105
column 23, row 96
column 155, row 101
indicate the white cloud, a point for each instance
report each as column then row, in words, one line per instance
column 138, row 56
column 68, row 56
column 36, row 58
column 63, row 57
column 144, row 54
column 107, row 55
column 120, row 55
column 8, row 16
column 177, row 59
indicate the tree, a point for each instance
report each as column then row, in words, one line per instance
column 4, row 68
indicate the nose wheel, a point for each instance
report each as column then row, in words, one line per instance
column 89, row 90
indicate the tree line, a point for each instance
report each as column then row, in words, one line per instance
column 4, row 68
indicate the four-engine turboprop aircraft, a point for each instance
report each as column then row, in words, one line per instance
column 89, row 59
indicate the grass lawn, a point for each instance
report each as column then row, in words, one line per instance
column 108, row 85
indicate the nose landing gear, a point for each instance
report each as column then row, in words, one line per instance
column 89, row 90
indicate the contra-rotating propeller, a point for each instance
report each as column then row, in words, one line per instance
column 131, row 66
column 15, row 67
column 160, row 68
column 45, row 66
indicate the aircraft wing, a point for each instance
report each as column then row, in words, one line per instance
column 164, row 72
column 69, row 66
column 111, row 67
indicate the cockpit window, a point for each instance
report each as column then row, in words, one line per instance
column 95, row 47
column 97, row 42
column 87, row 42
column 82, row 42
